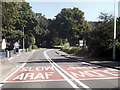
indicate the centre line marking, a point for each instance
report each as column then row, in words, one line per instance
column 65, row 77
column 55, row 65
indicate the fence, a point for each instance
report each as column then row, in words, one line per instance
column 2, row 54
column 11, row 52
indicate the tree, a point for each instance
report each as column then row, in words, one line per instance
column 118, row 39
column 43, row 36
column 101, row 38
column 17, row 15
column 70, row 23
column 9, row 18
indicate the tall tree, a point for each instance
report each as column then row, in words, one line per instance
column 17, row 15
column 43, row 36
column 101, row 38
column 70, row 23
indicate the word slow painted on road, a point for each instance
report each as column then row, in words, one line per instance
column 35, row 74
column 49, row 73
column 91, row 72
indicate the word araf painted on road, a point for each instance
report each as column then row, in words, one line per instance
column 91, row 72
column 35, row 74
column 49, row 73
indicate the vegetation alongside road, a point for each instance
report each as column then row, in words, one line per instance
column 100, row 40
column 69, row 26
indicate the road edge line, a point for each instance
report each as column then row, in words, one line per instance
column 3, row 81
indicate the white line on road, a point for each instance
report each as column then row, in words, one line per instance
column 80, row 83
column 33, row 51
column 14, row 72
column 1, row 85
column 65, row 77
column 18, row 54
column 100, row 78
column 10, row 58
column 33, row 81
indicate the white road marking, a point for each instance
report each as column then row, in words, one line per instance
column 1, row 85
column 57, row 80
column 80, row 83
column 10, row 58
column 13, row 73
column 85, row 63
column 33, row 51
column 22, row 65
column 33, row 81
column 18, row 54
column 99, row 78
column 65, row 77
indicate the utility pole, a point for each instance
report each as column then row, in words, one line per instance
column 0, row 28
column 23, row 41
column 114, row 39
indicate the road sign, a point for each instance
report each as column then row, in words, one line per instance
column 3, row 44
column 81, row 42
column 16, row 45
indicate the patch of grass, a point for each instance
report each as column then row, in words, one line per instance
column 82, row 52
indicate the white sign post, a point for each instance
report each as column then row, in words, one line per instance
column 16, row 46
column 81, row 42
column 3, row 44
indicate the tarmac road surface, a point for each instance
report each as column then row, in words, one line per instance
column 46, row 69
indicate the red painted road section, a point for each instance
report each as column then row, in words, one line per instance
column 35, row 74
column 91, row 72
column 49, row 73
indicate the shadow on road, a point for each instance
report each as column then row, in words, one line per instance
column 101, row 62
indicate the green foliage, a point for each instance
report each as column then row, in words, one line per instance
column 34, row 47
column 59, row 41
column 43, row 36
column 82, row 52
column 72, row 23
column 15, row 16
column 100, row 40
column 32, row 41
column 30, row 47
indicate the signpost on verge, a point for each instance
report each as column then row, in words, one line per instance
column 114, row 39
column 23, row 41
column 16, row 46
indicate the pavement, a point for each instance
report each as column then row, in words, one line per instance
column 9, row 64
column 101, row 62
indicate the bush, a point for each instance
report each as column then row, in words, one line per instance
column 30, row 47
column 76, row 51
column 34, row 47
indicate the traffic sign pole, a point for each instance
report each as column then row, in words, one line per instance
column 23, row 40
column 114, row 40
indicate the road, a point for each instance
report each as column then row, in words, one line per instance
column 45, row 68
